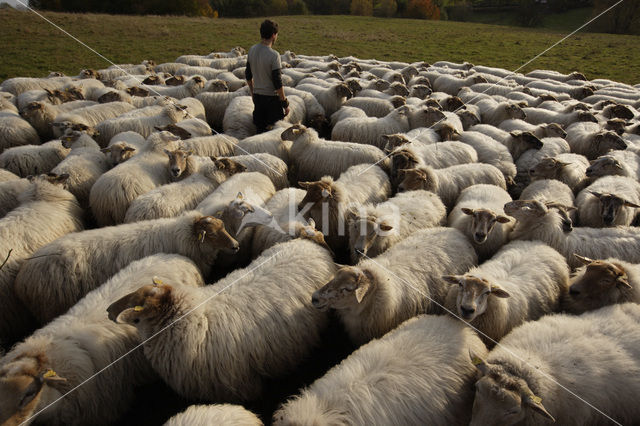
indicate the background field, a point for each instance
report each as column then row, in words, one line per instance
column 33, row 47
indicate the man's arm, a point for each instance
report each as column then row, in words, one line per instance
column 248, row 75
column 277, row 83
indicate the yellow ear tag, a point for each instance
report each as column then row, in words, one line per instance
column 476, row 360
column 157, row 281
column 49, row 373
column 536, row 399
column 138, row 308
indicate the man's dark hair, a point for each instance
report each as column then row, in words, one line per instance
column 268, row 28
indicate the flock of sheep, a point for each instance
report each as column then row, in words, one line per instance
column 483, row 221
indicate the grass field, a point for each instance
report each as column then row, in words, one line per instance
column 33, row 47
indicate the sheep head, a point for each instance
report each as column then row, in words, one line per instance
column 503, row 398
column 353, row 85
column 452, row 103
column 403, row 159
column 604, row 166
column 178, row 161
column 32, row 109
column 309, row 232
column 599, row 283
column 547, row 168
column 152, row 80
column 583, row 92
column 617, row 125
column 419, row 178
column 576, row 76
column 175, row 80
column 176, row 130
column 381, row 85
column 433, row 115
column 610, row 206
column 398, row 89
column 67, row 95
column 89, row 73
column 143, row 305
column 394, row 141
column 293, row 132
column 111, row 96
column 228, row 166
column 554, row 130
column 547, row 97
column 216, row 86
column 468, row 118
column 240, row 214
column 27, row 384
column 348, row 287
column 317, row 192
column 52, row 178
column 137, row 91
column 364, row 229
column 420, row 91
column 609, row 140
column 473, row 294
column 446, row 131
column 527, row 139
column 398, row 101
column 586, row 116
column 212, row 231
column 479, row 79
column 529, row 211
column 482, row 222
column 118, row 152
column 515, row 111
column 343, row 91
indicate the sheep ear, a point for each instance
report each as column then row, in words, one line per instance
column 51, row 378
column 623, row 280
column 503, row 219
column 304, row 185
column 105, row 150
column 516, row 133
column 361, row 290
column 479, row 363
column 630, row 204
column 326, row 193
column 584, row 260
column 240, row 196
column 312, row 223
column 385, row 227
column 128, row 149
column 499, row 292
column 535, row 403
column 451, row 279
column 130, row 316
column 467, row 211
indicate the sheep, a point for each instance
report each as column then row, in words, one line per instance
column 554, row 75
column 516, row 141
column 589, row 140
column 93, row 115
column 492, row 152
column 469, row 116
column 84, row 165
column 6, row 176
column 541, row 116
column 452, row 85
column 190, row 88
column 33, row 159
column 577, row 92
column 315, row 114
column 123, row 146
column 173, row 199
column 193, row 127
column 551, row 191
column 550, row 148
column 370, row 130
column 328, row 201
column 330, row 98
column 615, row 163
column 347, row 112
column 431, row 117
column 253, row 185
column 479, row 215
column 22, row 232
column 528, row 280
column 267, row 164
column 287, row 223
column 449, row 182
column 374, row 107
column 41, row 115
column 216, row 104
column 238, row 118
column 546, row 130
column 233, row 83
column 567, row 168
column 378, row 294
column 312, row 157
column 526, row 379
column 78, row 345
column 18, row 85
column 62, row 272
column 114, row 191
column 609, row 201
column 494, row 113
column 9, row 193
column 15, row 131
column 218, row 414
column 170, row 114
column 232, row 369
column 374, row 229
column 425, row 362
column 211, row 146
column 537, row 221
column 600, row 283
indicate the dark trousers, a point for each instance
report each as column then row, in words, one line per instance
column 267, row 110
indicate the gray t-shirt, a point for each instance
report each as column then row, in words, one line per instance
column 263, row 60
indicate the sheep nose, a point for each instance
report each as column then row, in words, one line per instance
column 531, row 172
column 567, row 226
column 573, row 291
column 176, row 172
column 235, row 247
column 608, row 219
column 467, row 312
column 315, row 300
column 480, row 237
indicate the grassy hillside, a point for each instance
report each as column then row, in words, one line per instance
column 33, row 47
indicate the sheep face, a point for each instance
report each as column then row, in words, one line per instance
column 111, row 96
column 547, row 168
column 152, row 80
column 586, row 116
column 89, row 73
column 398, row 101
column 617, row 125
column 515, row 112
column 403, row 159
column 353, row 85
column 398, row 89
column 143, row 306
column 175, row 113
column 610, row 206
column 413, row 179
column 394, row 141
column 420, row 91
column 599, row 283
column 32, row 109
column 452, row 103
column 347, row 289
column 583, row 92
column 554, row 130
column 177, row 161
column 216, row 86
column 67, row 95
column 118, row 153
column 447, row 132
column 577, row 76
column 27, row 384
column 228, row 166
column 178, row 131
column 317, row 192
column 468, row 118
column 502, row 398
column 606, row 141
column 432, row 116
column 605, row 166
column 473, row 294
column 137, row 91
column 175, row 80
column 527, row 139
column 363, row 232
column 530, row 211
column 309, row 232
column 381, row 85
column 244, row 214
column 293, row 132
column 212, row 231
column 482, row 223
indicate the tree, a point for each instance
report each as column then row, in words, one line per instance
column 622, row 19
column 361, row 7
column 277, row 7
column 386, row 8
column 297, row 7
column 422, row 9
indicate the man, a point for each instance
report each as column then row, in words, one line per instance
column 265, row 79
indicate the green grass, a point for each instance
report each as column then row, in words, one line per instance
column 33, row 47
